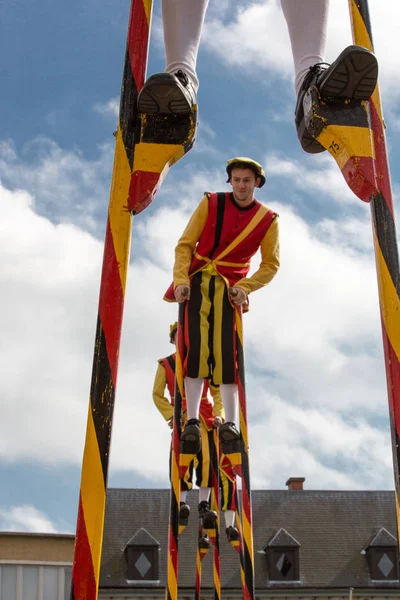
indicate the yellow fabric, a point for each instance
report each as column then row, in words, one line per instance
column 160, row 400
column 218, row 406
column 187, row 243
column 217, row 306
column 269, row 261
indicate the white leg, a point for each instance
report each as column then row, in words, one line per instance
column 229, row 395
column 183, row 23
column 204, row 494
column 307, row 23
column 193, row 388
column 230, row 517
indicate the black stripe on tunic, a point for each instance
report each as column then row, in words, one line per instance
column 193, row 324
column 210, row 319
column 228, row 340
column 220, row 221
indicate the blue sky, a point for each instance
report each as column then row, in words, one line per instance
column 316, row 383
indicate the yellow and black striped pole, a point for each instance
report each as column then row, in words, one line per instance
column 215, row 505
column 247, row 550
column 202, row 549
column 173, row 530
column 354, row 134
column 90, row 522
column 385, row 243
column 136, row 177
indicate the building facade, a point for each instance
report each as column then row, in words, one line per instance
column 35, row 566
column 307, row 544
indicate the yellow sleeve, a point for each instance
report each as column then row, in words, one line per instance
column 163, row 404
column 218, row 406
column 187, row 243
column 269, row 261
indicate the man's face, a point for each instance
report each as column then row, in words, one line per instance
column 243, row 182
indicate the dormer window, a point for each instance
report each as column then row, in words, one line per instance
column 141, row 553
column 382, row 557
column 282, row 552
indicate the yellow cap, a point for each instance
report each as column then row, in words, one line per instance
column 248, row 162
column 172, row 331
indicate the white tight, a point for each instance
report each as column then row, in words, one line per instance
column 306, row 21
column 183, row 23
column 229, row 395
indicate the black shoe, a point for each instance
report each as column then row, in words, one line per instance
column 167, row 93
column 228, row 432
column 232, row 534
column 353, row 75
column 191, row 431
column 204, row 542
column 184, row 511
column 208, row 517
column 190, row 442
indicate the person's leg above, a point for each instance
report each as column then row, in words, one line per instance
column 174, row 92
column 193, row 390
column 352, row 75
column 229, row 431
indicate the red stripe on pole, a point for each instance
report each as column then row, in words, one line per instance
column 111, row 303
column 84, row 584
column 138, row 39
column 392, row 378
column 360, row 177
column 143, row 187
column 381, row 161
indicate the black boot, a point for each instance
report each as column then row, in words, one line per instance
column 184, row 511
column 167, row 93
column 228, row 432
column 353, row 75
column 204, row 542
column 208, row 517
column 191, row 438
column 232, row 534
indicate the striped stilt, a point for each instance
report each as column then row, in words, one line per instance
column 128, row 194
column 385, row 244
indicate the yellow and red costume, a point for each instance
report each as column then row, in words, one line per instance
column 212, row 255
column 165, row 378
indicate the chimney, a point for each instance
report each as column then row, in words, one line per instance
column 295, row 483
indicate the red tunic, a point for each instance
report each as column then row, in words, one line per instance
column 230, row 237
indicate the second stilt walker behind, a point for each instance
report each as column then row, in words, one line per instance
column 212, row 261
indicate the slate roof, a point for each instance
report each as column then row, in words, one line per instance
column 332, row 528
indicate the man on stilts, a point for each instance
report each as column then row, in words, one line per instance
column 212, row 261
column 210, row 416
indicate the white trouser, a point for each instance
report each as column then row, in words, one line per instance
column 183, row 23
column 229, row 396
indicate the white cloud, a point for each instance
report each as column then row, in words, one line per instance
column 321, row 177
column 108, row 109
column 316, row 384
column 63, row 184
column 25, row 518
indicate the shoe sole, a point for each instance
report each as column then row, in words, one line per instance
column 307, row 142
column 228, row 436
column 190, row 435
column 209, row 521
column 184, row 513
column 354, row 75
column 161, row 95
